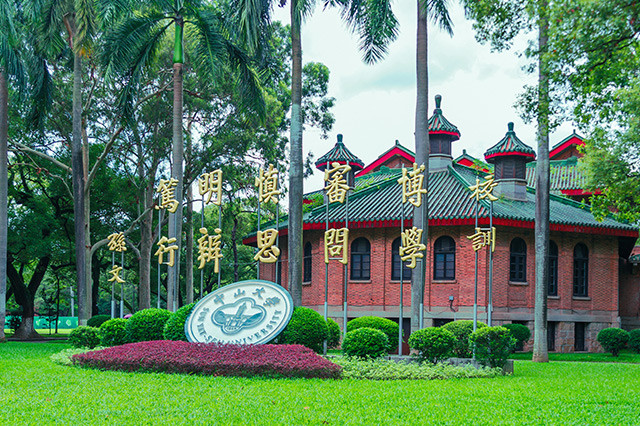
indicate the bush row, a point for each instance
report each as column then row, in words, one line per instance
column 615, row 339
column 211, row 359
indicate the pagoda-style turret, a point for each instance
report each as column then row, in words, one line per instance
column 441, row 134
column 341, row 154
column 510, row 157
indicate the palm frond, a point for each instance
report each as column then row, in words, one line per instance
column 109, row 11
column 11, row 62
column 252, row 18
column 41, row 91
column 86, row 24
column 51, row 17
column 302, row 8
column 438, row 13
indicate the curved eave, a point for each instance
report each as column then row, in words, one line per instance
column 456, row 135
column 355, row 166
column 526, row 155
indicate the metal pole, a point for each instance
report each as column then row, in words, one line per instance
column 490, row 307
column 72, row 301
column 326, row 274
column 346, row 270
column 122, row 287
column 401, row 315
column 258, row 266
column 475, row 284
column 278, row 262
column 202, row 270
column 425, row 226
column 113, row 283
column 160, row 266
column 220, row 227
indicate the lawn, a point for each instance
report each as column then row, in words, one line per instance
column 626, row 356
column 33, row 390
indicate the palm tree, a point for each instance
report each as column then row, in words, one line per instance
column 436, row 10
column 376, row 26
column 135, row 42
column 10, row 66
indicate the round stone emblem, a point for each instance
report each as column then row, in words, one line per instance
column 246, row 312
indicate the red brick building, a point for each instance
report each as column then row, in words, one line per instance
column 593, row 283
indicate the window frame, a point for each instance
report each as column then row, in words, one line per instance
column 395, row 262
column 580, row 271
column 518, row 262
column 307, row 262
column 445, row 259
column 552, row 273
column 360, row 269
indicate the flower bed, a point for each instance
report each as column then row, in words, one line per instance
column 211, row 359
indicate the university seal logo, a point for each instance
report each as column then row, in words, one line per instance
column 246, row 312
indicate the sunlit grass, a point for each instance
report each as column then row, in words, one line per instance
column 625, row 356
column 34, row 390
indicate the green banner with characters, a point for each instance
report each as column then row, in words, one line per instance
column 44, row 323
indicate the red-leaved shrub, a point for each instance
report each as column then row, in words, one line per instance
column 211, row 359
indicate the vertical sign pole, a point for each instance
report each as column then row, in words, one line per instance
column 202, row 270
column 401, row 310
column 73, row 302
column 113, row 291
column 490, row 307
column 160, row 266
column 220, row 227
column 258, row 265
column 346, row 269
column 122, row 288
column 475, row 285
column 326, row 272
column 278, row 277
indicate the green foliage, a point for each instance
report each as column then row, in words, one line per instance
column 433, row 344
column 64, row 356
column 365, row 342
column 613, row 339
column 85, row 337
column 382, row 369
column 147, row 324
column 334, row 334
column 634, row 340
column 387, row 326
column 493, row 345
column 520, row 332
column 98, row 320
column 174, row 328
column 307, row 327
column 113, row 332
column 462, row 329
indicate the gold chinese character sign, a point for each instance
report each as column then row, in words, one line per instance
column 483, row 237
column 210, row 184
column 116, row 242
column 115, row 274
column 335, row 181
column 335, row 244
column 267, row 185
column 412, row 247
column 412, row 185
column 209, row 249
column 483, row 190
column 267, row 251
column 164, row 248
column 167, row 191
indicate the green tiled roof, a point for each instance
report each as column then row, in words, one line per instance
column 440, row 125
column 510, row 145
column 563, row 175
column 380, row 201
column 342, row 155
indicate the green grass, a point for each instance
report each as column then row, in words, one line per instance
column 625, row 356
column 33, row 390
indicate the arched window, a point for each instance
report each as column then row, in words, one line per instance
column 580, row 270
column 360, row 259
column 444, row 261
column 306, row 264
column 395, row 263
column 518, row 261
column 552, row 290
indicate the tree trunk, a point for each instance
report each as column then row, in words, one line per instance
column 177, row 157
column 90, row 302
column 295, row 163
column 25, row 296
column 420, row 218
column 95, row 279
column 4, row 203
column 540, row 349
column 78, row 181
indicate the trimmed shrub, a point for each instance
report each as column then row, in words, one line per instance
column 168, row 356
column 613, row 339
column 519, row 332
column 147, row 324
column 14, row 322
column 307, row 328
column 333, row 338
column 493, row 345
column 433, row 344
column 634, row 340
column 388, row 327
column 98, row 320
column 461, row 330
column 113, row 332
column 174, row 328
column 84, row 337
column 365, row 343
